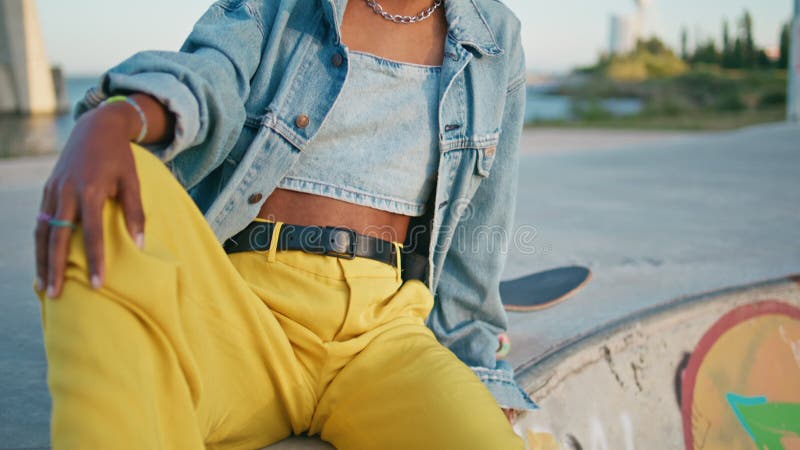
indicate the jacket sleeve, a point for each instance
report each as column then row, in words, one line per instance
column 204, row 84
column 469, row 316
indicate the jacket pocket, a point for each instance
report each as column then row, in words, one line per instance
column 487, row 150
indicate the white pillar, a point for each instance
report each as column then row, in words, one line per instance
column 24, row 69
column 793, row 97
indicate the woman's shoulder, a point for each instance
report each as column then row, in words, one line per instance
column 503, row 22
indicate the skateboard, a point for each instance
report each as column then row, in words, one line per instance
column 543, row 289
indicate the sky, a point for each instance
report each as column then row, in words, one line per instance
column 87, row 36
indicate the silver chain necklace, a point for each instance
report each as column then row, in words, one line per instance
column 396, row 18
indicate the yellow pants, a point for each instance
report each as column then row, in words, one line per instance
column 186, row 347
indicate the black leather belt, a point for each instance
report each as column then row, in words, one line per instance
column 331, row 241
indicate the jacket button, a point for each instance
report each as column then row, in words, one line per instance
column 490, row 151
column 337, row 59
column 302, row 121
column 255, row 198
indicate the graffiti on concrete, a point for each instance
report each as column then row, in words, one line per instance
column 711, row 372
column 597, row 432
column 541, row 440
column 794, row 345
column 741, row 386
column 766, row 423
column 599, row 441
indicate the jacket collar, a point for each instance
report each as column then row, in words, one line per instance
column 465, row 24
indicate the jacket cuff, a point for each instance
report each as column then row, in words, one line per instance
column 173, row 94
column 500, row 382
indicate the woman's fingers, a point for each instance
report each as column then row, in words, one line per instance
column 92, row 223
column 131, row 201
column 42, row 234
column 58, row 243
column 95, row 165
column 511, row 415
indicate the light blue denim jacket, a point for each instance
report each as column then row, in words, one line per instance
column 377, row 92
column 251, row 67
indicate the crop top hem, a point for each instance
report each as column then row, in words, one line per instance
column 351, row 195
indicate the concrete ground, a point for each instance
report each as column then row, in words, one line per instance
column 558, row 140
column 654, row 215
column 656, row 221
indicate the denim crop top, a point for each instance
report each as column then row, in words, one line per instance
column 386, row 117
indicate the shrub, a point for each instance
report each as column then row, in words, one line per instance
column 729, row 102
column 668, row 103
column 772, row 99
column 590, row 110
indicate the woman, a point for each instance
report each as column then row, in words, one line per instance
column 329, row 146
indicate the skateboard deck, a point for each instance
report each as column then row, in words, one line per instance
column 543, row 289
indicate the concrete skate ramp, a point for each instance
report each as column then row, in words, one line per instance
column 717, row 371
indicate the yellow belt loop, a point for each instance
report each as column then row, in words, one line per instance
column 398, row 246
column 273, row 244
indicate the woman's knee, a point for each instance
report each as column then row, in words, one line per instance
column 156, row 182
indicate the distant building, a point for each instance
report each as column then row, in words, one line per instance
column 643, row 13
column 28, row 85
column 626, row 30
column 622, row 36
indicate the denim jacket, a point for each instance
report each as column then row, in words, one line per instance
column 255, row 81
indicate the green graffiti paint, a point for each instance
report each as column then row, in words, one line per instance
column 766, row 423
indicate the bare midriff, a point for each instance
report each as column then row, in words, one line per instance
column 309, row 209
column 362, row 30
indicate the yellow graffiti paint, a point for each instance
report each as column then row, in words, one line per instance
column 541, row 441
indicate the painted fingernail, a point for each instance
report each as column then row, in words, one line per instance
column 51, row 291
column 140, row 240
column 39, row 284
column 96, row 282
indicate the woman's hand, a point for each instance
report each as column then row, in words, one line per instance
column 96, row 164
column 511, row 415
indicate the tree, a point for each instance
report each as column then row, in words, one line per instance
column 706, row 53
column 762, row 59
column 783, row 60
column 727, row 48
column 748, row 47
column 653, row 45
column 685, row 44
column 738, row 51
column 726, row 36
column 737, row 55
